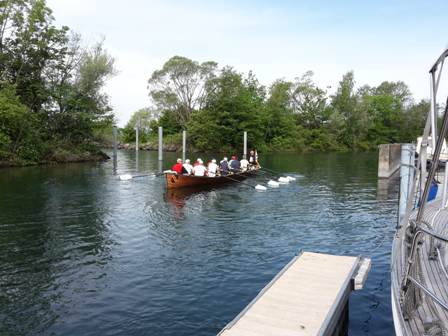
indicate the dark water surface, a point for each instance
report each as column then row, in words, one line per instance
column 82, row 253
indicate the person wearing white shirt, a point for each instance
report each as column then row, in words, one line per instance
column 244, row 164
column 212, row 168
column 188, row 167
column 199, row 169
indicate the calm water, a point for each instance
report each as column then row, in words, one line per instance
column 82, row 253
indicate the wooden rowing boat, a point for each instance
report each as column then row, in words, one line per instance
column 174, row 180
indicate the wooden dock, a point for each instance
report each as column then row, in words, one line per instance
column 308, row 297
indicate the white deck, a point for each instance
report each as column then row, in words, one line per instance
column 300, row 300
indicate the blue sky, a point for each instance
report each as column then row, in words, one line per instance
column 378, row 40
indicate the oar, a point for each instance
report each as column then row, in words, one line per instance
column 275, row 174
column 257, row 187
column 127, row 177
column 270, row 171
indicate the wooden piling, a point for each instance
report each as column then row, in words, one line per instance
column 160, row 143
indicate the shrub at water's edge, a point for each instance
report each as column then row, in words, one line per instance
column 52, row 107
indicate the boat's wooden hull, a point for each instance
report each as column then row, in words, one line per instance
column 175, row 181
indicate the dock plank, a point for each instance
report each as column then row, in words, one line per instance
column 299, row 300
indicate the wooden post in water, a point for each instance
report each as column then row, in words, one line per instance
column 114, row 140
column 184, row 145
column 137, row 126
column 245, row 145
column 160, row 143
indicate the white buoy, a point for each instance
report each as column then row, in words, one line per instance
column 125, row 177
column 291, row 178
column 273, row 184
column 260, row 187
column 283, row 180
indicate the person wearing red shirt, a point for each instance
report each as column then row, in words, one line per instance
column 178, row 166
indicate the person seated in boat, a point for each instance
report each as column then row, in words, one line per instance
column 188, row 167
column 224, row 167
column 234, row 164
column 212, row 168
column 199, row 168
column 244, row 164
column 177, row 166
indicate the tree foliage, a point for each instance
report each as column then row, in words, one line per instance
column 181, row 86
column 290, row 116
column 48, row 75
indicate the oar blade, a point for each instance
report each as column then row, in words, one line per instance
column 260, row 187
column 125, row 177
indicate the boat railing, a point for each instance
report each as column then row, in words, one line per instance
column 411, row 263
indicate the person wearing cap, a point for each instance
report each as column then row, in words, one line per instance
column 224, row 166
column 178, row 166
column 199, row 169
column 234, row 164
column 212, row 168
column 188, row 167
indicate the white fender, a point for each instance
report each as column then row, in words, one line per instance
column 125, row 177
column 291, row 178
column 260, row 187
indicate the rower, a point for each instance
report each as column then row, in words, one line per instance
column 224, row 166
column 234, row 164
column 244, row 164
column 177, row 167
column 199, row 169
column 188, row 167
column 212, row 168
column 253, row 159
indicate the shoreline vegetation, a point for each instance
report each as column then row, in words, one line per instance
column 216, row 105
column 53, row 107
column 52, row 104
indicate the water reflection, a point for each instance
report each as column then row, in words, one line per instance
column 82, row 253
column 54, row 240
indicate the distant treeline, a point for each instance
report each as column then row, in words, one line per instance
column 216, row 105
column 51, row 104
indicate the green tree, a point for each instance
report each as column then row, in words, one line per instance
column 344, row 104
column 57, row 80
column 79, row 105
column 413, row 120
column 387, row 106
column 144, row 119
column 29, row 42
column 19, row 137
column 236, row 104
column 181, row 86
column 308, row 102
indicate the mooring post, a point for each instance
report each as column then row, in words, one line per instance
column 184, row 145
column 406, row 178
column 114, row 143
column 245, row 145
column 137, row 126
column 160, row 143
column 114, row 140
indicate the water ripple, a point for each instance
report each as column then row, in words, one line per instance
column 84, row 253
